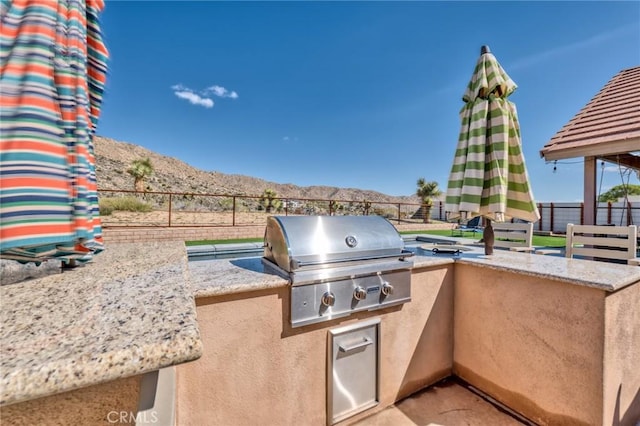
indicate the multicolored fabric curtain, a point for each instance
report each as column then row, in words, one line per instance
column 489, row 177
column 53, row 66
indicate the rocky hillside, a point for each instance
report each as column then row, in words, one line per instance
column 113, row 158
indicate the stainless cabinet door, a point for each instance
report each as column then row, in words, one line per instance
column 352, row 376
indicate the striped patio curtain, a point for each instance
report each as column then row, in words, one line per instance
column 52, row 76
column 489, row 177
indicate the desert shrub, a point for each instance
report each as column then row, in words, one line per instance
column 129, row 204
column 105, row 209
column 226, row 203
column 386, row 213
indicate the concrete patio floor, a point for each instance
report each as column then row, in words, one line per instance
column 447, row 403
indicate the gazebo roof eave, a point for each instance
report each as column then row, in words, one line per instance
column 591, row 149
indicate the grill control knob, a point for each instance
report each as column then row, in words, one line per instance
column 387, row 289
column 328, row 299
column 360, row 293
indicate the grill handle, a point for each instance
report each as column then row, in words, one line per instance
column 295, row 263
column 365, row 342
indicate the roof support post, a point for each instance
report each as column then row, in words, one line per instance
column 589, row 190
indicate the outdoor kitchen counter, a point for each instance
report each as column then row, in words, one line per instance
column 541, row 317
column 231, row 276
column 601, row 275
column 127, row 312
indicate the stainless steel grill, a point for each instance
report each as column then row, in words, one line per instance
column 338, row 264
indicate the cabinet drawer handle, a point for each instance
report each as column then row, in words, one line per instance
column 365, row 342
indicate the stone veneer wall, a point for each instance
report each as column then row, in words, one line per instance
column 127, row 235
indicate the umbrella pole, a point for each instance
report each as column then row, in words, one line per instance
column 488, row 237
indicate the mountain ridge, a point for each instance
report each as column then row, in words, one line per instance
column 114, row 157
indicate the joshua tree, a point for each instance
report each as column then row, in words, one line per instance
column 366, row 205
column 335, row 206
column 426, row 191
column 140, row 170
column 269, row 201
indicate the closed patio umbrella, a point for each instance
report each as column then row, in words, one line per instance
column 52, row 76
column 488, row 177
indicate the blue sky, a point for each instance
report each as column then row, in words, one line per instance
column 353, row 94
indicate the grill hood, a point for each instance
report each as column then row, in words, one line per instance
column 337, row 265
column 294, row 242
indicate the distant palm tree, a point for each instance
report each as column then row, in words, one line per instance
column 426, row 191
column 140, row 170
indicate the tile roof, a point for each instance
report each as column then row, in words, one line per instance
column 607, row 127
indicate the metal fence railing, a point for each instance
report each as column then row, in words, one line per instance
column 127, row 208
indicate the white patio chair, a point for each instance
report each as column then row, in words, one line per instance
column 603, row 242
column 513, row 236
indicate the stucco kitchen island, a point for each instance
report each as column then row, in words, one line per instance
column 554, row 339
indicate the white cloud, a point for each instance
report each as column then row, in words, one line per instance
column 611, row 169
column 183, row 92
column 202, row 98
column 195, row 99
column 221, row 92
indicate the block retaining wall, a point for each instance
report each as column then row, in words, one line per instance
column 128, row 235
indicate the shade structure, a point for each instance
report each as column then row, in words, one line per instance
column 489, row 177
column 52, row 76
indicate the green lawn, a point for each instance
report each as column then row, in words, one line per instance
column 538, row 240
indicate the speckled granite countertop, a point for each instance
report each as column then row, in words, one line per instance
column 227, row 276
column 603, row 275
column 432, row 260
column 127, row 312
column 219, row 277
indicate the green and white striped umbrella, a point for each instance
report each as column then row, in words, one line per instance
column 488, row 177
